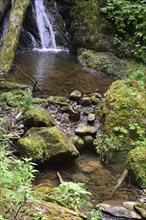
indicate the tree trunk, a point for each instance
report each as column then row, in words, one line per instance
column 12, row 38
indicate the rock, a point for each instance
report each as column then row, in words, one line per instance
column 119, row 211
column 129, row 205
column 88, row 140
column 38, row 118
column 108, row 63
column 7, row 86
column 123, row 120
column 136, row 164
column 90, row 166
column 91, row 118
column 94, row 100
column 86, row 101
column 141, row 208
column 73, row 115
column 87, row 30
column 50, row 144
column 84, row 129
column 75, row 95
column 78, row 142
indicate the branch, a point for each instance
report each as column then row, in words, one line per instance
column 34, row 82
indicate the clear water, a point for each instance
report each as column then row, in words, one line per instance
column 57, row 73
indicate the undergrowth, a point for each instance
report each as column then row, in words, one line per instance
column 128, row 17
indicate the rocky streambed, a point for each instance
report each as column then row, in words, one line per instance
column 77, row 120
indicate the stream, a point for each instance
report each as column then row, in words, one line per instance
column 58, row 74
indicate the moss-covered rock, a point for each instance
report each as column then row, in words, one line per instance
column 12, row 38
column 7, row 86
column 78, row 142
column 87, row 28
column 38, row 118
column 42, row 144
column 141, row 208
column 123, row 117
column 136, row 164
column 110, row 64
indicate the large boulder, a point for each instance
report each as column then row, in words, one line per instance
column 38, row 118
column 136, row 164
column 123, row 117
column 42, row 144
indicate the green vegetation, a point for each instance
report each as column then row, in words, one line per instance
column 136, row 163
column 128, row 17
column 18, row 98
column 123, row 116
column 75, row 196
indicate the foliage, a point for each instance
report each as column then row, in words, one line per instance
column 128, row 17
column 136, row 164
column 19, row 98
column 75, row 196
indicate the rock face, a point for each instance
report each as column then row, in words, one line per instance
column 42, row 144
column 123, row 110
column 4, row 6
column 38, row 118
column 86, row 28
column 136, row 164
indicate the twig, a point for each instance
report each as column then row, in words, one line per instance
column 119, row 182
column 60, row 178
column 34, row 82
column 17, row 212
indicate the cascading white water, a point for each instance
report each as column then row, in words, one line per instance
column 45, row 29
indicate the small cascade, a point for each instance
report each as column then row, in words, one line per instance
column 5, row 26
column 44, row 25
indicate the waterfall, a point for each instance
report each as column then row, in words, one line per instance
column 5, row 25
column 44, row 25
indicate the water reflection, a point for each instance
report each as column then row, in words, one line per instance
column 57, row 73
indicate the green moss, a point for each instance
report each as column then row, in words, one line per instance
column 38, row 118
column 15, row 24
column 5, row 85
column 42, row 144
column 136, row 164
column 85, row 29
column 123, row 117
column 110, row 64
column 141, row 208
